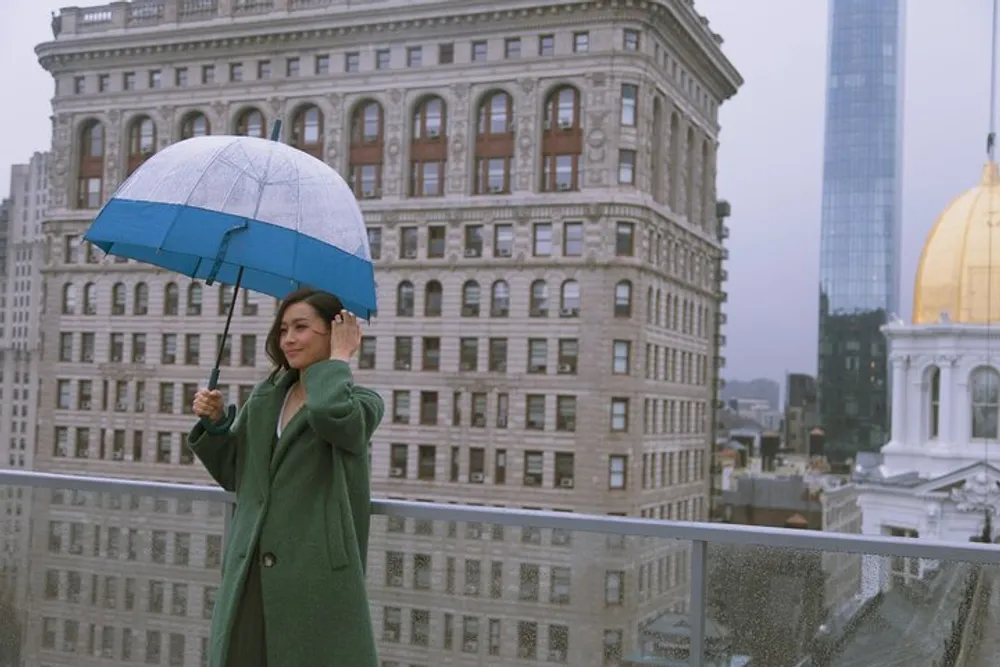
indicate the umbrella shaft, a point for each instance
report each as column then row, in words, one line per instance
column 214, row 378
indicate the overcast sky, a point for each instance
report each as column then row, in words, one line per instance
column 770, row 158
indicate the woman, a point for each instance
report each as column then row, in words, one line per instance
column 293, row 583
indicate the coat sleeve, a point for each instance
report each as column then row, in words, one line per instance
column 340, row 412
column 217, row 450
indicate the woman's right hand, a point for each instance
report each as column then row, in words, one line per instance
column 209, row 404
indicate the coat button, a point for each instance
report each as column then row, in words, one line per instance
column 269, row 560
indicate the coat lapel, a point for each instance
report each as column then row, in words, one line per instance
column 293, row 429
column 267, row 403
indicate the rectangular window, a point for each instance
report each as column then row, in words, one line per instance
column 626, row 167
column 546, row 45
column 446, row 54
column 630, row 98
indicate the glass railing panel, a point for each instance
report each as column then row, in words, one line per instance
column 480, row 593
column 104, row 578
column 783, row 606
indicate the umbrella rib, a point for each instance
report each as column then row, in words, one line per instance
column 218, row 151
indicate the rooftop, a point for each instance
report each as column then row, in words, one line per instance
column 747, row 589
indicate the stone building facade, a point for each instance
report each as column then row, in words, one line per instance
column 539, row 189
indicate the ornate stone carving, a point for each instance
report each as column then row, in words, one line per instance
column 977, row 494
column 220, row 111
column 335, row 101
column 167, row 114
column 525, row 150
column 595, row 146
column 392, row 147
column 460, row 95
column 943, row 360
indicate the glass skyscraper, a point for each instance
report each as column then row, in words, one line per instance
column 860, row 234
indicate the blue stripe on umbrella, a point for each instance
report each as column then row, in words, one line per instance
column 276, row 260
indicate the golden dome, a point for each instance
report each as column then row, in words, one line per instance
column 959, row 269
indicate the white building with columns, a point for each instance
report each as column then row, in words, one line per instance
column 940, row 472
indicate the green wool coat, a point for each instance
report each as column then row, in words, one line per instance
column 303, row 507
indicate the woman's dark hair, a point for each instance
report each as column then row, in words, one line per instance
column 326, row 305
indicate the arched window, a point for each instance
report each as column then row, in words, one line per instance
column 657, row 157
column 428, row 149
column 404, row 299
column 691, row 179
column 538, row 305
column 195, row 124
column 494, row 144
column 69, row 299
column 90, row 299
column 118, row 301
column 433, row 299
column 934, row 402
column 562, row 141
column 90, row 177
column 194, row 299
column 307, row 130
column 141, row 141
column 250, row 123
column 623, row 299
column 471, row 296
column 500, row 299
column 171, row 297
column 708, row 185
column 367, row 144
column 985, row 389
column 676, row 152
column 569, row 299
column 141, row 303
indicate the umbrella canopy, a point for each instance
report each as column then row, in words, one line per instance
column 243, row 211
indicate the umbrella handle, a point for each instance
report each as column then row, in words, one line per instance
column 217, row 428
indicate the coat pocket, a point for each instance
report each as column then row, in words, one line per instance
column 336, row 543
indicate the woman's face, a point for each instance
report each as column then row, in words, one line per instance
column 305, row 337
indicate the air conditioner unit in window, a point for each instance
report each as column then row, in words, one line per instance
column 471, row 252
column 566, row 482
column 503, row 252
column 476, row 477
column 396, row 472
column 433, row 134
column 565, row 124
column 368, row 194
column 563, row 187
column 565, row 368
column 410, row 254
column 496, row 189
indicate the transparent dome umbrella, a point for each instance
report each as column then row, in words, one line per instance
column 247, row 212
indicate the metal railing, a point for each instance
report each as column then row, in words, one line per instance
column 699, row 534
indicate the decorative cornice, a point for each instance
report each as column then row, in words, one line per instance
column 362, row 27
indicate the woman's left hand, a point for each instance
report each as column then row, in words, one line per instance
column 345, row 336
